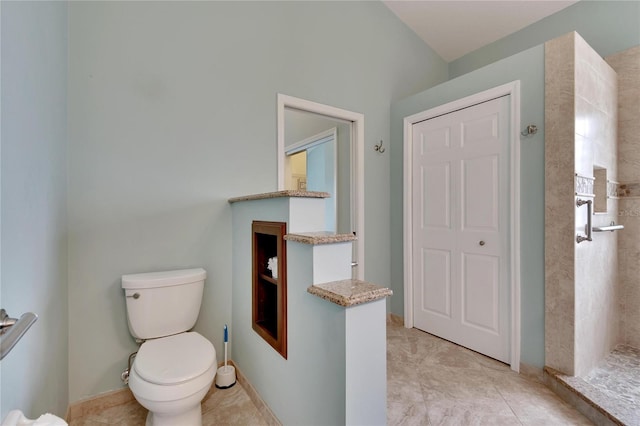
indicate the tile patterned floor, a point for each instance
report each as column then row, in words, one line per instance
column 618, row 376
column 221, row 407
column 613, row 387
column 430, row 382
column 435, row 382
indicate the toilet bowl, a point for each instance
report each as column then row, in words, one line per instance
column 174, row 368
column 171, row 375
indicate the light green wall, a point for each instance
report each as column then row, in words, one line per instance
column 335, row 370
column 307, row 388
column 608, row 26
column 33, row 199
column 528, row 67
column 172, row 110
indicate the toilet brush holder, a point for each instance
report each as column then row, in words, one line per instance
column 226, row 377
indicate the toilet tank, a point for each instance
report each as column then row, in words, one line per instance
column 163, row 303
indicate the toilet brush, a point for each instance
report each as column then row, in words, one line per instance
column 226, row 375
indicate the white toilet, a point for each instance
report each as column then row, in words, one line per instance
column 174, row 368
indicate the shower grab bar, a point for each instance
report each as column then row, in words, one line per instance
column 587, row 228
column 12, row 330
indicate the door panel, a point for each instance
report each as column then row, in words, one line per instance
column 436, row 295
column 436, row 181
column 436, row 140
column 481, row 280
column 480, row 189
column 460, row 227
column 481, row 132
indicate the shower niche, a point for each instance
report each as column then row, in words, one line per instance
column 269, row 283
column 600, row 186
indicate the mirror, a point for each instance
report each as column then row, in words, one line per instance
column 318, row 158
column 320, row 149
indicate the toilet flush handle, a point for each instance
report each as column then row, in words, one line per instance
column 135, row 295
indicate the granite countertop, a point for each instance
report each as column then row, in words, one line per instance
column 319, row 237
column 349, row 292
column 281, row 194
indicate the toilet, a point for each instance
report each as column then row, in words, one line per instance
column 174, row 367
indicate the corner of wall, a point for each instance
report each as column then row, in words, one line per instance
column 559, row 209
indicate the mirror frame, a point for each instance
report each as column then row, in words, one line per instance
column 357, row 159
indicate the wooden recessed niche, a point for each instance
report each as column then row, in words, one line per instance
column 269, row 283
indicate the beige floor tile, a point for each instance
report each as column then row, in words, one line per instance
column 462, row 387
column 401, row 413
column 429, row 382
column 534, row 403
column 129, row 414
column 230, row 407
column 469, row 416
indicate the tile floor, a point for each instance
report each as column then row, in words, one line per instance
column 613, row 387
column 434, row 382
column 430, row 382
column 220, row 407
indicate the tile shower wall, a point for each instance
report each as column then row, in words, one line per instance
column 581, row 324
column 559, row 202
column 596, row 117
column 627, row 65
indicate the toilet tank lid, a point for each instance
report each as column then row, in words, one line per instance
column 163, row 279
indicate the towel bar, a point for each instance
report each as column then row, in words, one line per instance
column 612, row 227
column 13, row 329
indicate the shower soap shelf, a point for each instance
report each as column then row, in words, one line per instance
column 611, row 228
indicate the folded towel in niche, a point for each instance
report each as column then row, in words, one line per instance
column 272, row 265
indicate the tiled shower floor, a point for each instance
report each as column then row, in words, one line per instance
column 619, row 376
column 614, row 386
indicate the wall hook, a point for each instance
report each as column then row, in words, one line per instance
column 531, row 129
column 379, row 148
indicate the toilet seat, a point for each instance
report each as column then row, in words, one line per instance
column 173, row 367
column 156, row 359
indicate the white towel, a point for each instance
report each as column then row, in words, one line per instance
column 49, row 420
column 272, row 265
column 17, row 418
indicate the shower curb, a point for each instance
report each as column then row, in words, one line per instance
column 581, row 399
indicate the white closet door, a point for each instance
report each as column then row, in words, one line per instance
column 460, row 227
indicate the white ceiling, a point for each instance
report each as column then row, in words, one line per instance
column 454, row 28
